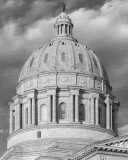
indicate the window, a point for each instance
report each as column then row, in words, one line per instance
column 63, row 56
column 43, row 113
column 82, row 113
column 31, row 63
column 63, row 111
column 80, row 58
column 39, row 134
column 46, row 58
column 26, row 116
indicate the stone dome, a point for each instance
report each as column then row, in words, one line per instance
column 63, row 55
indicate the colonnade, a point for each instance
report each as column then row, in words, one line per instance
column 73, row 112
column 64, row 29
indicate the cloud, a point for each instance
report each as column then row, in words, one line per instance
column 123, row 130
column 3, row 131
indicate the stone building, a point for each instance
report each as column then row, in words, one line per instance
column 64, row 108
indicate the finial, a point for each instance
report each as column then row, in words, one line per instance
column 63, row 7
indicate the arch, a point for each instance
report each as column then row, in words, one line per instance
column 62, row 56
column 31, row 63
column 82, row 113
column 80, row 58
column 46, row 57
column 26, row 116
column 63, row 111
column 43, row 113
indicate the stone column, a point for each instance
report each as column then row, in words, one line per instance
column 116, row 120
column 92, row 111
column 97, row 111
column 71, row 109
column 33, row 111
column 49, row 109
column 38, row 112
column 108, row 116
column 23, row 116
column 11, row 122
column 76, row 109
column 18, row 115
column 54, row 109
column 111, row 115
column 29, row 111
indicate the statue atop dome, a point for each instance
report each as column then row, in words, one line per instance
column 63, row 7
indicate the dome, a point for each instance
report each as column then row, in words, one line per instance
column 63, row 55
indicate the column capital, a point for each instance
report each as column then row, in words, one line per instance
column 94, row 95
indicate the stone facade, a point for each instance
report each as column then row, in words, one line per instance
column 64, row 108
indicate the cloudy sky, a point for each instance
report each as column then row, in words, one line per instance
column 27, row 24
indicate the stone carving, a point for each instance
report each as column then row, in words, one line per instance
column 63, row 79
column 83, row 81
column 122, row 144
column 98, row 85
column 43, row 80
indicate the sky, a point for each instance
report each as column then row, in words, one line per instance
column 102, row 25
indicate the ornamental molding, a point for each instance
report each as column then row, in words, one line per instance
column 63, row 79
column 43, row 80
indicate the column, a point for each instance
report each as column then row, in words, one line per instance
column 11, row 122
column 15, row 117
column 92, row 111
column 108, row 116
column 23, row 116
column 76, row 109
column 29, row 111
column 116, row 121
column 54, row 109
column 97, row 111
column 60, row 29
column 18, row 116
column 71, row 116
column 33, row 111
column 49, row 109
column 38, row 112
column 111, row 115
column 67, row 29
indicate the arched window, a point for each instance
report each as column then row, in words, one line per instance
column 26, row 116
column 63, row 56
column 82, row 114
column 43, row 113
column 80, row 58
column 63, row 111
column 31, row 63
column 46, row 58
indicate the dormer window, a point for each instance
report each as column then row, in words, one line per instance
column 31, row 63
column 46, row 58
column 80, row 58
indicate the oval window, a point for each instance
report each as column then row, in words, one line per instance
column 63, row 56
column 80, row 58
column 46, row 58
column 31, row 62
